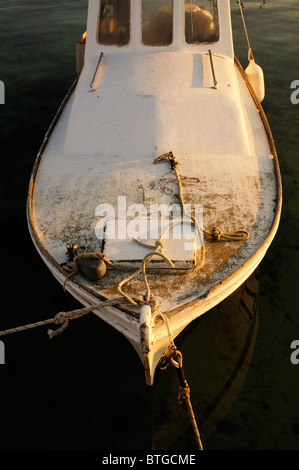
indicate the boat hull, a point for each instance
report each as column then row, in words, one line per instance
column 151, row 340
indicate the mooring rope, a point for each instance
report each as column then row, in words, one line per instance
column 147, row 258
column 250, row 54
column 174, row 357
column 62, row 318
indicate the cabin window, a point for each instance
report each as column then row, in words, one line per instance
column 114, row 22
column 201, row 21
column 157, row 22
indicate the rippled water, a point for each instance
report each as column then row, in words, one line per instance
column 85, row 389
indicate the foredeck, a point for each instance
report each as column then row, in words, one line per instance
column 237, row 191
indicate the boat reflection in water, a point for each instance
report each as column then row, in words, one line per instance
column 217, row 350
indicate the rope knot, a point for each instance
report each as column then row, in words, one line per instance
column 59, row 318
column 159, row 244
column 184, row 394
column 216, row 234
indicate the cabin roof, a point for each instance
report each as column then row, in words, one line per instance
column 148, row 102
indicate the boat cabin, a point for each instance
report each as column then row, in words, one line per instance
column 164, row 24
column 151, row 63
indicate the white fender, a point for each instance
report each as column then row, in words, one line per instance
column 255, row 77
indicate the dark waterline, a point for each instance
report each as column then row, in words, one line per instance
column 85, row 389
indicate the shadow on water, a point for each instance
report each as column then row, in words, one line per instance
column 217, row 350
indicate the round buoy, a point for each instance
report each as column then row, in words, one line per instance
column 92, row 266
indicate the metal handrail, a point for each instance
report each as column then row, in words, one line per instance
column 213, row 71
column 92, row 88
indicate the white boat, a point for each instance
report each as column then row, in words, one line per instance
column 161, row 140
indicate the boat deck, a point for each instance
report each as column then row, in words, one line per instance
column 236, row 192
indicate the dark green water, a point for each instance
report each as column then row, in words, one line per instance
column 85, row 389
